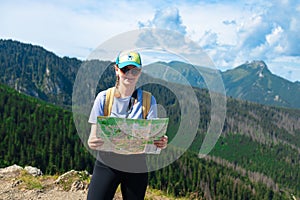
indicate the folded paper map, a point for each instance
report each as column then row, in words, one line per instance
column 130, row 136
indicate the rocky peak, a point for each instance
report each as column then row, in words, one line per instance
column 258, row 68
column 257, row 65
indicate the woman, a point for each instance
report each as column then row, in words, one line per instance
column 106, row 179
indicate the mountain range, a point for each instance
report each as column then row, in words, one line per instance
column 37, row 72
column 251, row 81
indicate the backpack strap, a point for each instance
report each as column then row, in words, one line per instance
column 109, row 101
column 110, row 98
column 146, row 103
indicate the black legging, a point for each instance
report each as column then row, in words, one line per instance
column 105, row 181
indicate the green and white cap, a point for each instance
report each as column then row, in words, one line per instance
column 129, row 58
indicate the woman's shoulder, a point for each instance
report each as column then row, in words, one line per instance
column 101, row 95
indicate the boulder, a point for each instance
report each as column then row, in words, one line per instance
column 73, row 180
column 11, row 169
column 33, row 171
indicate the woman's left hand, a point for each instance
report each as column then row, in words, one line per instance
column 162, row 142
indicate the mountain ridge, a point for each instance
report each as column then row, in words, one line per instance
column 261, row 85
column 252, row 81
column 37, row 72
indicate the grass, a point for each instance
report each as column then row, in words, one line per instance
column 30, row 182
column 154, row 194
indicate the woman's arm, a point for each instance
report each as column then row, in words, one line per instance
column 152, row 114
column 94, row 142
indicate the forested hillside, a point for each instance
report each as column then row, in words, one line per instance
column 37, row 133
column 262, row 141
column 240, row 167
column 32, row 70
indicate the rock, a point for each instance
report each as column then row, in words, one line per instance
column 73, row 180
column 33, row 171
column 16, row 183
column 11, row 169
column 16, row 168
column 65, row 176
column 78, row 185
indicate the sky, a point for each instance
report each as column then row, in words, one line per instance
column 230, row 32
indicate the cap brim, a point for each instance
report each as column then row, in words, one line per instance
column 124, row 64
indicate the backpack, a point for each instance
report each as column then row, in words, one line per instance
column 110, row 98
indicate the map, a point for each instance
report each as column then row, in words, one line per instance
column 130, row 136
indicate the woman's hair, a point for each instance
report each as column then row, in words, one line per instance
column 117, row 93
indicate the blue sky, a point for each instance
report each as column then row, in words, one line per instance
column 231, row 32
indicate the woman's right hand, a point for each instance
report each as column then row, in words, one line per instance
column 95, row 142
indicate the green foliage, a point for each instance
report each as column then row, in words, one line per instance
column 35, row 133
column 277, row 161
column 29, row 181
column 190, row 176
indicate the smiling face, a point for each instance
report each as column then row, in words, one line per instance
column 129, row 75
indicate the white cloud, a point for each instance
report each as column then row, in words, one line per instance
column 282, row 27
column 209, row 40
column 168, row 18
column 66, row 28
column 275, row 36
